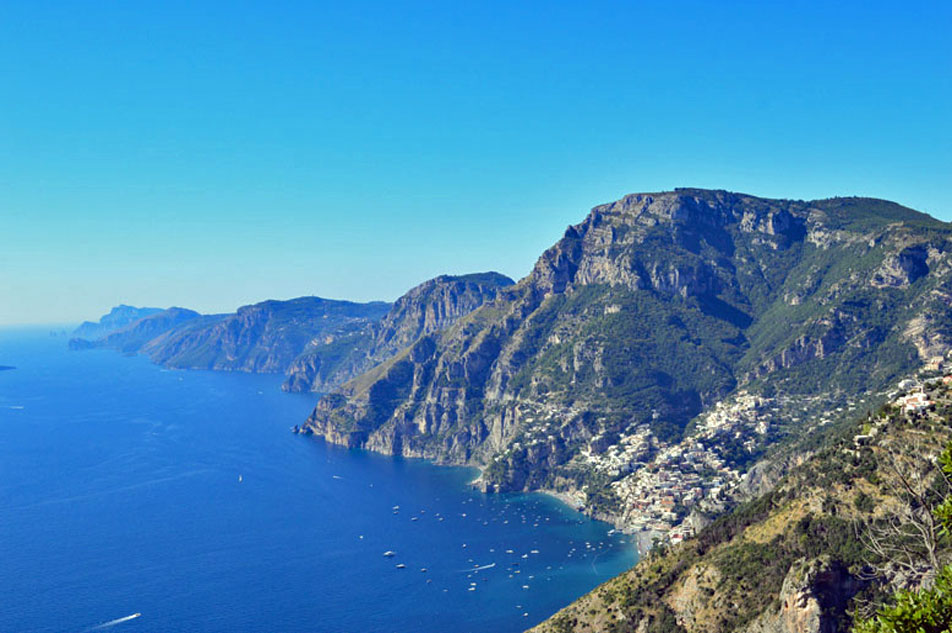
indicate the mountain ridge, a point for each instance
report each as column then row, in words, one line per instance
column 116, row 319
column 301, row 337
column 640, row 321
column 424, row 309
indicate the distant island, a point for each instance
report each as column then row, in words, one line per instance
column 118, row 318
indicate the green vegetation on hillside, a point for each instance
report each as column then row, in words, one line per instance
column 839, row 532
column 650, row 312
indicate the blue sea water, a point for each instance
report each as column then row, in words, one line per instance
column 182, row 496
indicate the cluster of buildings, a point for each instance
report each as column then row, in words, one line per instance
column 914, row 402
column 657, row 496
column 913, row 396
column 658, row 484
column 632, row 451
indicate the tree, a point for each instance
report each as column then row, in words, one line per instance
column 909, row 539
column 929, row 609
column 923, row 611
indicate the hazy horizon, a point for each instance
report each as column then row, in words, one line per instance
column 216, row 156
column 226, row 310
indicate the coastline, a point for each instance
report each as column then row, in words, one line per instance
column 572, row 501
column 643, row 539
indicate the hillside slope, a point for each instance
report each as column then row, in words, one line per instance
column 428, row 308
column 806, row 556
column 662, row 346
column 131, row 338
column 319, row 343
column 265, row 337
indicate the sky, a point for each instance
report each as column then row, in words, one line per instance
column 214, row 154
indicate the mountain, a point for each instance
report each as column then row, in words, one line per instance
column 849, row 525
column 428, row 308
column 320, row 343
column 265, row 337
column 117, row 319
column 131, row 338
column 663, row 348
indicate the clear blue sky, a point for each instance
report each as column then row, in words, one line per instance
column 210, row 154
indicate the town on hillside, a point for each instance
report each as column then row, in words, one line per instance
column 665, row 490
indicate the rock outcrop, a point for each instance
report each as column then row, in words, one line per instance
column 426, row 309
column 814, row 599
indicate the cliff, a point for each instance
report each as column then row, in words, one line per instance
column 688, row 327
column 428, row 308
column 265, row 337
column 320, row 343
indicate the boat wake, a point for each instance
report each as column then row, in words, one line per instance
column 111, row 623
column 489, row 566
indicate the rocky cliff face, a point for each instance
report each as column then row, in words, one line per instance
column 265, row 337
column 647, row 314
column 813, row 599
column 428, row 308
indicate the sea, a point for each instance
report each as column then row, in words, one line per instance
column 135, row 498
